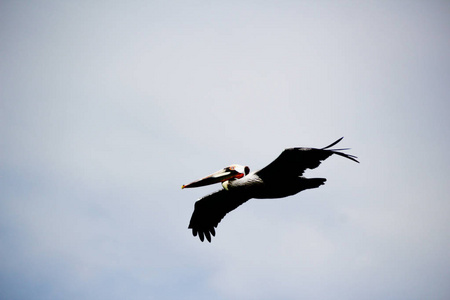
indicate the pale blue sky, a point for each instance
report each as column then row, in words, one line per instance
column 107, row 108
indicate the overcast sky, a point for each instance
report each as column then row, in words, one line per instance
column 107, row 108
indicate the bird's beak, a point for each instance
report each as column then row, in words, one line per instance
column 219, row 176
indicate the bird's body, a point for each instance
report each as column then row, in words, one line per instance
column 254, row 186
column 281, row 178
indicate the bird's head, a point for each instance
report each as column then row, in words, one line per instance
column 229, row 173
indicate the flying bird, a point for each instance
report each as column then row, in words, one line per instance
column 281, row 178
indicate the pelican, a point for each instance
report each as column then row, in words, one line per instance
column 281, row 178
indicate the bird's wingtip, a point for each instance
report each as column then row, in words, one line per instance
column 332, row 144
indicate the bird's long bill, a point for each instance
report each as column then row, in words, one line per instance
column 216, row 177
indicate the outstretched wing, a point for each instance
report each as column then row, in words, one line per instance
column 211, row 209
column 294, row 161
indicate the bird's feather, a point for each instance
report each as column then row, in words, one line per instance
column 294, row 161
column 211, row 209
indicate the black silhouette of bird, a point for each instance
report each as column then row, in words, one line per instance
column 281, row 178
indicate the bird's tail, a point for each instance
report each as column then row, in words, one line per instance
column 313, row 183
